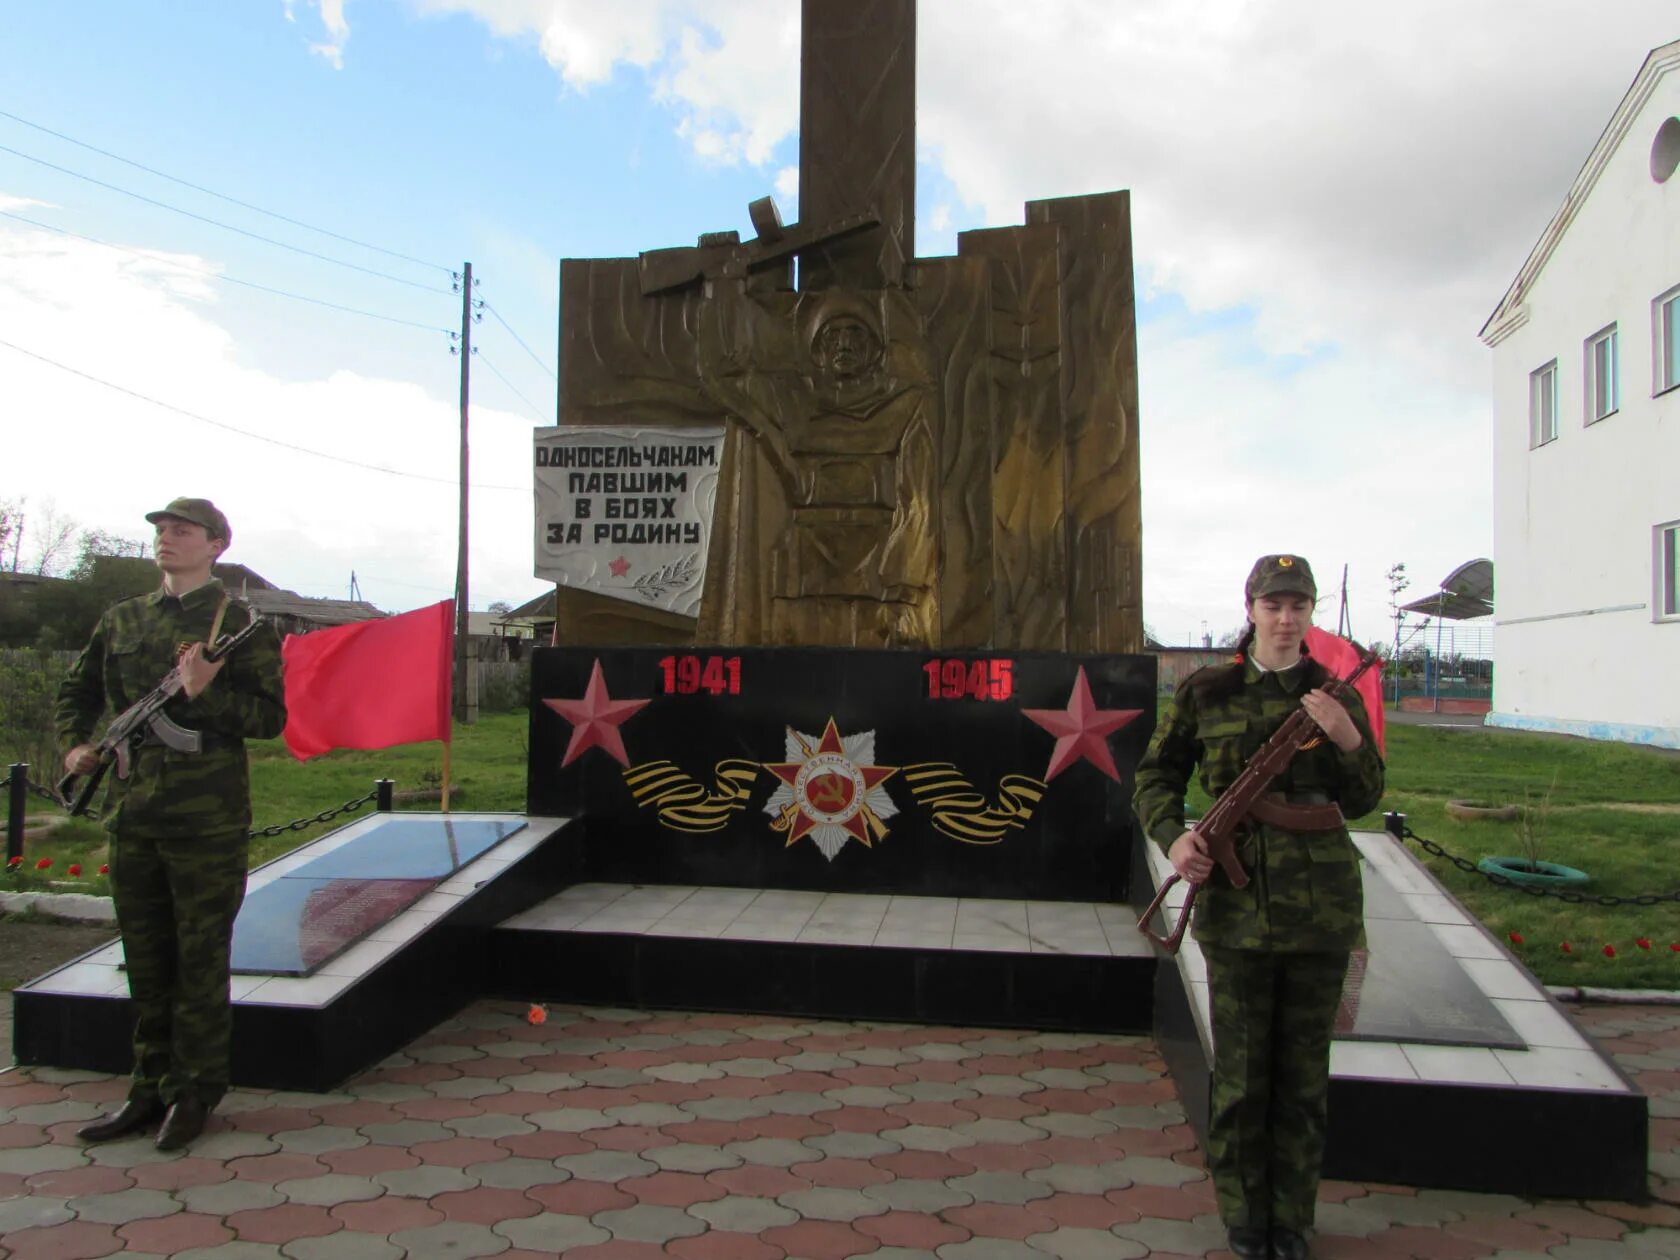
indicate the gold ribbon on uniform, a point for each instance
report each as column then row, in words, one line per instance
column 961, row 811
column 686, row 804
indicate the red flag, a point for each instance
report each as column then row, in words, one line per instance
column 370, row 685
column 1339, row 656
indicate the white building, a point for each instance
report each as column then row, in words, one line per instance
column 1586, row 413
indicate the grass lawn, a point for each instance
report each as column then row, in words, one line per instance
column 1614, row 812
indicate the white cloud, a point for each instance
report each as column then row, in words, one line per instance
column 338, row 31
column 729, row 68
column 146, row 324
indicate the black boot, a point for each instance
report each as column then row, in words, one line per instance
column 1248, row 1242
column 182, row 1123
column 136, row 1113
column 1288, row 1244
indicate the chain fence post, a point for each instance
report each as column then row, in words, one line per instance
column 1394, row 822
column 385, row 788
column 17, row 784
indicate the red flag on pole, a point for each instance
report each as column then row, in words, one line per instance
column 372, row 684
column 1339, row 656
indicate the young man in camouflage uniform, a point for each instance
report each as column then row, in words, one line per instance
column 179, row 823
column 1277, row 950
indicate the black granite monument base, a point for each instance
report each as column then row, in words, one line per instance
column 313, row 1032
column 1459, row 1070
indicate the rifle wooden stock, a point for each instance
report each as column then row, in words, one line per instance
column 131, row 724
column 1219, row 825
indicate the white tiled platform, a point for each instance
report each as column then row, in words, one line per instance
column 100, row 975
column 1556, row 1055
column 1101, row 929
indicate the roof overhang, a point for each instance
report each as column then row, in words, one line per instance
column 1503, row 322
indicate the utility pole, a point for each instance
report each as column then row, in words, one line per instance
column 460, row 671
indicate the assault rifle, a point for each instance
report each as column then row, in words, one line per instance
column 1246, row 797
column 145, row 715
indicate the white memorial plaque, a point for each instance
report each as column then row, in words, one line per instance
column 628, row 512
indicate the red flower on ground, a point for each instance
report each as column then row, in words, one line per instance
column 13, row 863
column 1516, row 938
column 75, row 869
column 1609, row 951
column 104, row 869
column 1644, row 942
column 1567, row 948
column 537, row 1014
column 1675, row 946
column 43, row 864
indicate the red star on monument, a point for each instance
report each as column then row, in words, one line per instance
column 619, row 567
column 1081, row 730
column 595, row 720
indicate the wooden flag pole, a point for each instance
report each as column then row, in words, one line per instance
column 446, row 776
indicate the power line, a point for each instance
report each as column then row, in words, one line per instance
column 217, row 275
column 273, row 214
column 521, row 342
column 255, row 236
column 504, row 380
column 259, row 437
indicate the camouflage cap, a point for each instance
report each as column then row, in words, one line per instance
column 1275, row 575
column 199, row 512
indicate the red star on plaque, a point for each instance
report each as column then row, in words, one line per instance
column 619, row 567
column 595, row 720
column 1081, row 730
column 831, row 792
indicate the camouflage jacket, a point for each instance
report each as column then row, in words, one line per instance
column 1305, row 892
column 168, row 793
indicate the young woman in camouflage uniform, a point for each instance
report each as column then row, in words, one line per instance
column 180, row 822
column 1277, row 950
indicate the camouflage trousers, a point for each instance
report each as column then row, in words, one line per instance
column 176, row 901
column 1273, row 1014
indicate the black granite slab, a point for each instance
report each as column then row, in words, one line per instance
column 1407, row 987
column 293, row 925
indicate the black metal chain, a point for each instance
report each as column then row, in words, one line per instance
column 326, row 815
column 1562, row 894
column 51, row 797
column 256, row 833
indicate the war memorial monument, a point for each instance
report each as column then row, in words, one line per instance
column 847, row 691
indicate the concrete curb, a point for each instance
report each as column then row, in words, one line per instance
column 68, row 907
column 1625, row 997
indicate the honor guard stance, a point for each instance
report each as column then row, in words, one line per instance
column 1277, row 949
column 178, row 809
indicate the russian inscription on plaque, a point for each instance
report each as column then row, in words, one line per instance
column 627, row 512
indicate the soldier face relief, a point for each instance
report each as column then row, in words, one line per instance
column 846, row 349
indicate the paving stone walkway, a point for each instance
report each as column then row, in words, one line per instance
column 623, row 1135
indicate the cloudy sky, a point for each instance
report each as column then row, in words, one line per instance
column 1329, row 199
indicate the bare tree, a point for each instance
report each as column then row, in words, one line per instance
column 53, row 532
column 99, row 542
column 11, row 530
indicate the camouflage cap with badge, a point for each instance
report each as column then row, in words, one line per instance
column 199, row 512
column 1278, row 575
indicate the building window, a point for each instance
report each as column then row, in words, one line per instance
column 1665, row 334
column 1665, row 598
column 1542, row 404
column 1602, row 372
